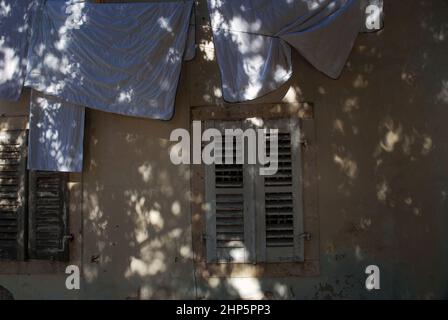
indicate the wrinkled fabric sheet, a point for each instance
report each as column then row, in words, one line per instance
column 56, row 133
column 114, row 57
column 253, row 40
column 15, row 21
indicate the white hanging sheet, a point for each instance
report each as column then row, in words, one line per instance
column 114, row 57
column 15, row 21
column 56, row 134
column 253, row 40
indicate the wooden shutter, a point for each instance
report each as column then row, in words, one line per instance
column 230, row 213
column 48, row 216
column 12, row 194
column 279, row 199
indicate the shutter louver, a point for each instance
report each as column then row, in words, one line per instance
column 12, row 194
column 230, row 221
column 279, row 220
column 229, row 205
column 279, row 202
column 229, row 217
column 279, row 205
column 283, row 177
column 48, row 216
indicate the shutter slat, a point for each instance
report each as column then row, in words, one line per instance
column 232, row 222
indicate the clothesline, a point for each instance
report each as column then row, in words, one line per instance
column 244, row 32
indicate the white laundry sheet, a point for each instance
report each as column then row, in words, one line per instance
column 114, row 57
column 253, row 40
column 56, row 134
column 15, row 21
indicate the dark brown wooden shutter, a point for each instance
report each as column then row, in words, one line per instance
column 12, row 194
column 48, row 216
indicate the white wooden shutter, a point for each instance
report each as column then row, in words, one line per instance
column 12, row 194
column 279, row 199
column 230, row 215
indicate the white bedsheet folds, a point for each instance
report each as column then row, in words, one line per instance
column 253, row 40
column 15, row 21
column 114, row 57
column 56, row 134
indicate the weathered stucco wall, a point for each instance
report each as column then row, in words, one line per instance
column 383, row 187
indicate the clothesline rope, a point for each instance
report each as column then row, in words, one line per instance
column 238, row 31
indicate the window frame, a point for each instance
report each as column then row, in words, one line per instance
column 74, row 201
column 310, row 265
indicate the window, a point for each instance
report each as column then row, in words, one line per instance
column 33, row 206
column 248, row 225
column 253, row 218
